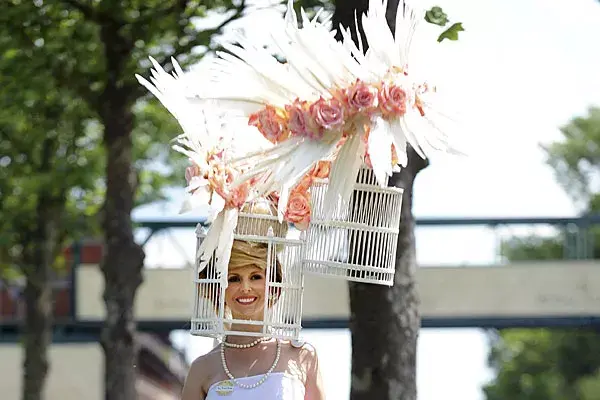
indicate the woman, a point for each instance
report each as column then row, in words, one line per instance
column 247, row 367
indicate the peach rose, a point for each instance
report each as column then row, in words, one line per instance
column 328, row 114
column 269, row 122
column 321, row 170
column 237, row 196
column 304, row 183
column 392, row 100
column 298, row 210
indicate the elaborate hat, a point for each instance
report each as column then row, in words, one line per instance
column 329, row 100
column 306, row 134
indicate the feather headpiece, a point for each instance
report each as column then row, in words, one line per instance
column 326, row 110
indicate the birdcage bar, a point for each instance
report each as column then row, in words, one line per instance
column 283, row 289
column 355, row 241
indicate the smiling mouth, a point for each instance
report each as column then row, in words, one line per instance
column 246, row 300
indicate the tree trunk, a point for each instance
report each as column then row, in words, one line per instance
column 385, row 322
column 124, row 258
column 39, row 259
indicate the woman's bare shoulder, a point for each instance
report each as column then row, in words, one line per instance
column 201, row 373
column 205, row 363
column 307, row 354
column 304, row 347
column 303, row 351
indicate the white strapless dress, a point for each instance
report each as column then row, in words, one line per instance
column 279, row 386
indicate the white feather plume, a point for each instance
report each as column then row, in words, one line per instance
column 217, row 244
column 248, row 77
column 380, row 150
column 343, row 174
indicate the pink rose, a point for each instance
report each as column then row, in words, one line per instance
column 328, row 114
column 361, row 97
column 269, row 122
column 392, row 100
column 297, row 121
column 298, row 210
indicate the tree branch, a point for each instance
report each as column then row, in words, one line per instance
column 90, row 13
column 145, row 17
column 70, row 81
column 58, row 67
column 406, row 175
column 203, row 37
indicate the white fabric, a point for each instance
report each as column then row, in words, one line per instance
column 278, row 386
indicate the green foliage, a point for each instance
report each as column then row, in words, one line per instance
column 436, row 16
column 555, row 364
column 45, row 153
column 544, row 364
column 533, row 248
column 576, row 158
column 589, row 387
column 69, row 39
column 526, row 367
column 54, row 71
column 157, row 166
column 312, row 6
column 452, row 32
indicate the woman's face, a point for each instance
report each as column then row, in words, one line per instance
column 245, row 293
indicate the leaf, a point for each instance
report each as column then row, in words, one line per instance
column 436, row 16
column 452, row 32
column 9, row 273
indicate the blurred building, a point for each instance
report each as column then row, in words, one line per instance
column 161, row 368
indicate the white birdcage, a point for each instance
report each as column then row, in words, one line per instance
column 356, row 242
column 283, row 289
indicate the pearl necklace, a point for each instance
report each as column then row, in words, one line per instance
column 256, row 384
column 245, row 346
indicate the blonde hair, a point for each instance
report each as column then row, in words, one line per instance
column 244, row 254
column 255, row 219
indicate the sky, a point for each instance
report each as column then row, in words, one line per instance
column 520, row 70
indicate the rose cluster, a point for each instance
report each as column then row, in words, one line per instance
column 218, row 178
column 298, row 209
column 313, row 120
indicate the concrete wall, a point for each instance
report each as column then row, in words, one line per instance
column 76, row 372
column 543, row 289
